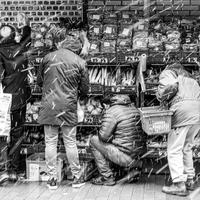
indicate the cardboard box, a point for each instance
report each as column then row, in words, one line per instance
column 36, row 169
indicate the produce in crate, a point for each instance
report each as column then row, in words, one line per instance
column 140, row 40
column 110, row 18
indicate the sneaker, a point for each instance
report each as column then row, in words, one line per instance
column 3, row 179
column 13, row 177
column 52, row 184
column 190, row 184
column 178, row 188
column 101, row 180
column 77, row 183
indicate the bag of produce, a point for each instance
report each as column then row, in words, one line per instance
column 125, row 31
column 155, row 42
column 124, row 45
column 94, row 47
column 127, row 18
column 108, row 46
column 109, row 31
column 110, row 18
column 95, row 31
column 95, row 17
column 140, row 40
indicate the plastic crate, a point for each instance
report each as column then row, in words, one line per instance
column 95, row 88
column 102, row 58
column 155, row 121
column 36, row 169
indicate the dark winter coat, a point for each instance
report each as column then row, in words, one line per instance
column 121, row 124
column 63, row 75
column 13, row 65
column 182, row 92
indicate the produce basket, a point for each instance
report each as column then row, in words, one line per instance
column 155, row 121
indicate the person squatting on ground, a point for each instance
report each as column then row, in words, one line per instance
column 64, row 78
column 13, row 65
column 181, row 92
column 115, row 141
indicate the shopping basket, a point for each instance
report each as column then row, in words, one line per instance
column 155, row 121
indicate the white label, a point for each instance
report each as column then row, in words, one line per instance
column 96, row 17
column 33, row 172
column 96, row 30
column 106, row 44
column 108, row 30
column 93, row 46
column 139, row 43
column 125, row 31
column 122, row 43
column 125, row 16
column 141, row 27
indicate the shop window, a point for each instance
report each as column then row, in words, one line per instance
column 15, row 2
column 18, row 8
column 27, row 13
column 6, row 19
column 62, row 7
column 71, row 13
column 49, row 8
column 5, row 8
column 9, row 13
column 12, row 19
column 55, row 19
column 77, row 13
column 59, row 2
column 40, row 2
column 24, row 8
column 55, row 7
column 30, row 8
column 67, row 8
column 43, row 18
column 3, row 14
column 74, row 8
column 36, row 19
column 46, row 2
column 52, row 2
column 40, row 13
column 58, row 13
column 36, row 7
column 65, row 13
column 52, row 13
column 42, row 7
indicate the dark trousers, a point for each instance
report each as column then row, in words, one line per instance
column 105, row 152
column 17, row 129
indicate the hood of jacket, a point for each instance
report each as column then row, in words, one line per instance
column 120, row 100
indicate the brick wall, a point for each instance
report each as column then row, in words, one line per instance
column 40, row 10
column 165, row 8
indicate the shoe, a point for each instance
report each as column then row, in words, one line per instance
column 190, row 184
column 3, row 179
column 77, row 183
column 52, row 184
column 13, row 177
column 101, row 180
column 178, row 188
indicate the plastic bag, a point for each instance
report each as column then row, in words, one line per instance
column 80, row 113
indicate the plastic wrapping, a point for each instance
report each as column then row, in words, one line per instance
column 108, row 46
column 95, row 31
column 109, row 31
column 125, row 31
column 94, row 47
column 140, row 40
column 124, row 45
column 110, row 18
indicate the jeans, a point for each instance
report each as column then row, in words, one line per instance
column 180, row 155
column 69, row 138
column 105, row 152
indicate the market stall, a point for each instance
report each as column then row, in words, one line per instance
column 130, row 43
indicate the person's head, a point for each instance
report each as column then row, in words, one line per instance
column 7, row 34
column 23, row 19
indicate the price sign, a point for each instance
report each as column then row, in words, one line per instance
column 89, row 120
column 34, row 172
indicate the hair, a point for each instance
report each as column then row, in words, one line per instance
column 11, row 37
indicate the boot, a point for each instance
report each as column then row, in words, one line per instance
column 190, row 184
column 178, row 188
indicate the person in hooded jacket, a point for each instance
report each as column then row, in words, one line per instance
column 13, row 77
column 181, row 92
column 64, row 78
column 115, row 141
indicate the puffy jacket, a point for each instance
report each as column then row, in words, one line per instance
column 63, row 76
column 121, row 125
column 182, row 92
column 13, row 64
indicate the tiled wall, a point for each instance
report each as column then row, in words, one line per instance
column 40, row 10
column 165, row 8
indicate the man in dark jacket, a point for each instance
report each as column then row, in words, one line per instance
column 13, row 77
column 116, row 141
column 64, row 77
